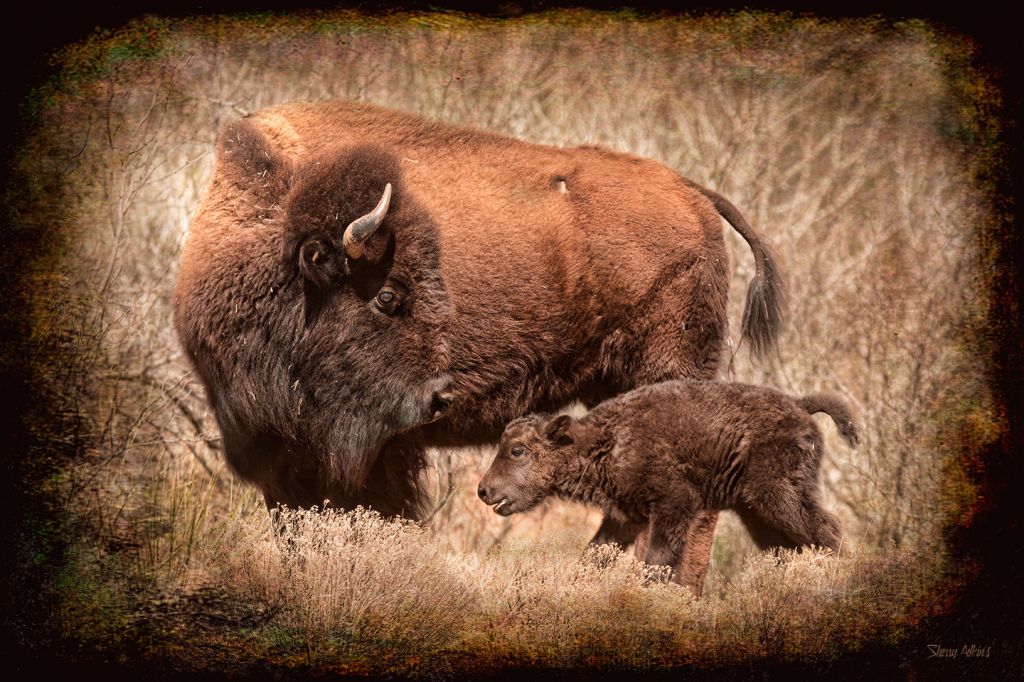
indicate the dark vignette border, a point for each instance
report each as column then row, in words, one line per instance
column 31, row 549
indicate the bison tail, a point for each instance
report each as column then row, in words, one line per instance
column 766, row 308
column 835, row 407
column 765, row 312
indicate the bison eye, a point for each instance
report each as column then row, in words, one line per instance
column 386, row 300
column 518, row 452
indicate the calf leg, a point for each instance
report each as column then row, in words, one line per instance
column 622, row 533
column 765, row 535
column 685, row 351
column 692, row 567
column 818, row 526
column 668, row 537
column 665, row 542
column 641, row 544
column 792, row 521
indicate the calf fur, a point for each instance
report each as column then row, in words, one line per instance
column 660, row 455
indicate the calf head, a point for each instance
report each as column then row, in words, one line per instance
column 529, row 463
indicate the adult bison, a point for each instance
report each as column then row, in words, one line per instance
column 353, row 272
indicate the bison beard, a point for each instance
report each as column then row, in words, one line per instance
column 333, row 320
column 658, row 456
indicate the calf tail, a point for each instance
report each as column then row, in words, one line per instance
column 835, row 407
column 765, row 312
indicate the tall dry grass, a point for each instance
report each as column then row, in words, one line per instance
column 844, row 144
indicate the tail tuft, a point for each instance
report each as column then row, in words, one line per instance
column 765, row 312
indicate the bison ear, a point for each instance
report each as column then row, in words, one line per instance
column 557, row 429
column 319, row 262
column 249, row 160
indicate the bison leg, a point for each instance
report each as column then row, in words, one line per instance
column 392, row 487
column 291, row 484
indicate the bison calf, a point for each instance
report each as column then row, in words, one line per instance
column 658, row 456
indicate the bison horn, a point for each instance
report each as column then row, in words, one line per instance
column 360, row 229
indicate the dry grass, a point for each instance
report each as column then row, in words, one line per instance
column 352, row 582
column 844, row 144
column 353, row 590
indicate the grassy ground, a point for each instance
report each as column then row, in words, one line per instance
column 852, row 147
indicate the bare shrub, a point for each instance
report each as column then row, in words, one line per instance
column 775, row 591
column 352, row 582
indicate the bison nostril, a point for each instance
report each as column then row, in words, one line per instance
column 482, row 492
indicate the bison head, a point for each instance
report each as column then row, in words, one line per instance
column 311, row 304
column 530, row 463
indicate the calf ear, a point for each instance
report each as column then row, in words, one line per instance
column 558, row 428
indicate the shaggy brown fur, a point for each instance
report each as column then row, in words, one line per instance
column 506, row 277
column 659, row 455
